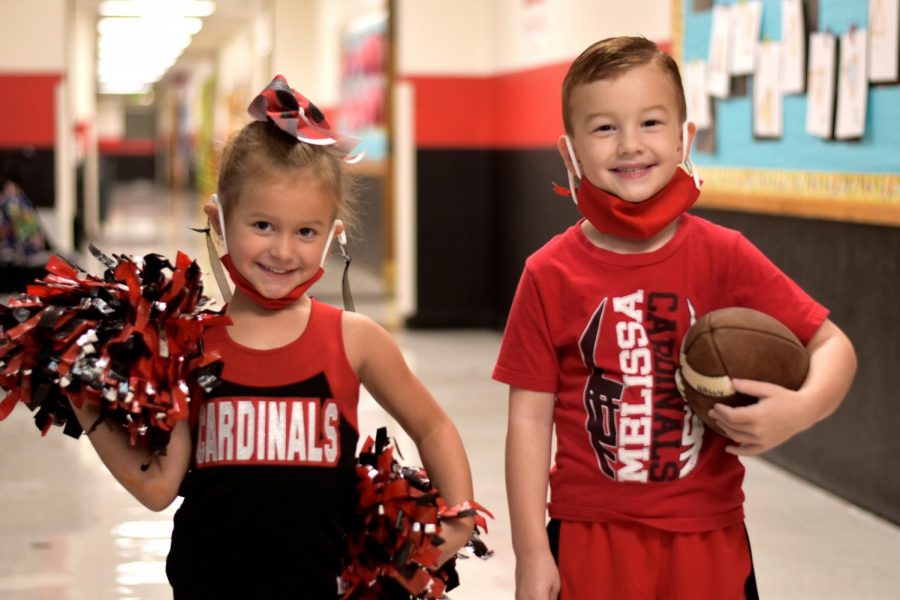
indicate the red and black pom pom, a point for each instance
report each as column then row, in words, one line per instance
column 129, row 341
column 396, row 542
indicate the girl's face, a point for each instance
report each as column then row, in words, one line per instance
column 627, row 132
column 277, row 231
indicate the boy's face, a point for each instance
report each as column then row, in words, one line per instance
column 627, row 132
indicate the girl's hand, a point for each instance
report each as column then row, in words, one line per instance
column 456, row 533
column 779, row 415
column 537, row 577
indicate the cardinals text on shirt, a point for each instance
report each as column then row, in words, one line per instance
column 267, row 431
column 639, row 427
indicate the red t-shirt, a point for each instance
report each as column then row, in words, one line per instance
column 602, row 331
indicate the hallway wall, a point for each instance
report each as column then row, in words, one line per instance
column 32, row 71
column 486, row 121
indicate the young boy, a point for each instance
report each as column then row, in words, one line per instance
column 645, row 502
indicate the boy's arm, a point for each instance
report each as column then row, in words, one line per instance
column 152, row 479
column 528, row 443
column 781, row 413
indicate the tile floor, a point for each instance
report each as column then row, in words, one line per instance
column 68, row 532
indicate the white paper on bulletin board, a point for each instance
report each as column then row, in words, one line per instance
column 884, row 40
column 746, row 20
column 793, row 47
column 718, row 72
column 767, row 100
column 697, row 100
column 853, row 86
column 820, row 88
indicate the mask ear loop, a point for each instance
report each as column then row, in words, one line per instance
column 575, row 166
column 214, row 260
column 345, row 278
column 685, row 156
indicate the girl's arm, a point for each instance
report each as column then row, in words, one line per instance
column 156, row 486
column 381, row 368
column 781, row 413
column 528, row 443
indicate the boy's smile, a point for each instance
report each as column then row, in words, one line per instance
column 627, row 132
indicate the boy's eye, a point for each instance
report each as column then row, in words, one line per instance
column 652, row 122
column 604, row 127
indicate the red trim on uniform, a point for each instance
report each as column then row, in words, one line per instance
column 28, row 110
column 509, row 110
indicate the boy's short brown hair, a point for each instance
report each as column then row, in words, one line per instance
column 610, row 58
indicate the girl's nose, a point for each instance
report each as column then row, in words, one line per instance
column 281, row 247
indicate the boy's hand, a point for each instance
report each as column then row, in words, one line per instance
column 778, row 416
column 537, row 577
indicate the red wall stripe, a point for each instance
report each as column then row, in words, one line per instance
column 453, row 111
column 126, row 147
column 28, row 110
column 511, row 110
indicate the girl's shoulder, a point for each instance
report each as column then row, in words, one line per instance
column 363, row 337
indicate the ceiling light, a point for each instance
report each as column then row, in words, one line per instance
column 144, row 8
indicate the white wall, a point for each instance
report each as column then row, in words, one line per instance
column 444, row 36
column 570, row 27
column 473, row 37
column 299, row 46
column 34, row 35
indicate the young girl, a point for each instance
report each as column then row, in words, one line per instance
column 266, row 462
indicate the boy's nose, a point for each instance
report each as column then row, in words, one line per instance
column 629, row 142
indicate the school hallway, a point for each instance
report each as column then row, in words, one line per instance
column 69, row 532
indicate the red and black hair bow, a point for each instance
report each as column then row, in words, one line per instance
column 293, row 113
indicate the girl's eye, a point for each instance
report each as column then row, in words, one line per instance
column 262, row 226
column 306, row 232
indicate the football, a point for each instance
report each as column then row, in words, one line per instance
column 739, row 343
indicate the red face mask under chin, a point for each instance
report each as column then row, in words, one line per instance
column 611, row 215
column 247, row 288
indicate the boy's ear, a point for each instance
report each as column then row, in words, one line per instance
column 211, row 210
column 689, row 131
column 564, row 147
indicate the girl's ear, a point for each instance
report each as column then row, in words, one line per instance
column 211, row 210
column 340, row 232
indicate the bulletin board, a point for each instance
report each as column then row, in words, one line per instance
column 797, row 174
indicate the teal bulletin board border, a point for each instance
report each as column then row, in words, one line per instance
column 798, row 174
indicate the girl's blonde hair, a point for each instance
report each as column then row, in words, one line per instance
column 261, row 150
